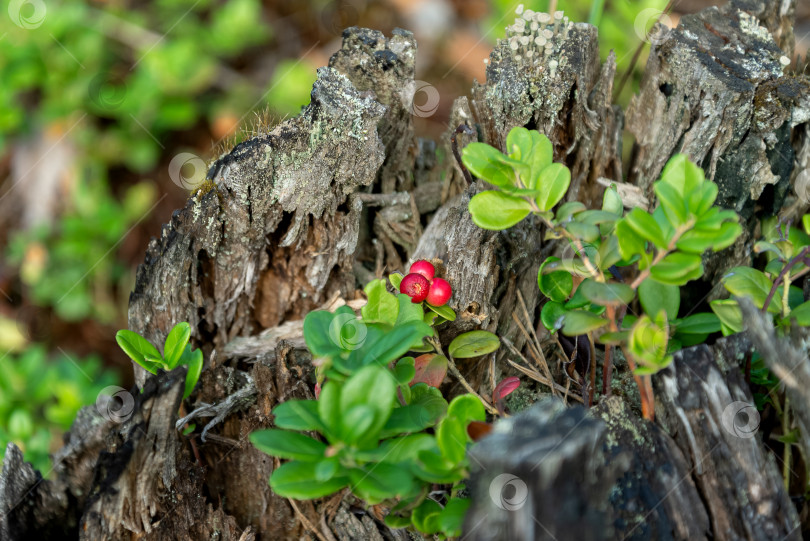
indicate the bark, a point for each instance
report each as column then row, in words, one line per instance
column 303, row 215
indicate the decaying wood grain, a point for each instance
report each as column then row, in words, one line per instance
column 694, row 474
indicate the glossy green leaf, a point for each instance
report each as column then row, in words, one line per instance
column 751, row 283
column 648, row 343
column 286, row 444
column 391, row 345
column 426, row 517
column 408, row 311
column 329, row 410
column 486, row 163
column 801, row 314
column 578, row 322
column 382, row 306
column 555, row 285
column 195, row 366
column 729, row 314
column 645, row 226
column 497, row 211
column 298, row 415
column 655, row 296
column 396, row 279
column 604, row 294
column 451, row 519
column 568, row 210
column 519, row 143
column 444, row 311
column 552, row 315
column 175, row 344
column 473, row 344
column 297, row 480
column 677, row 269
column 377, row 482
column 371, row 386
column 138, row 349
column 702, row 323
column 541, row 157
column 612, row 201
column 317, row 325
column 672, row 202
column 554, row 182
column 630, row 242
column 405, row 370
column 682, row 174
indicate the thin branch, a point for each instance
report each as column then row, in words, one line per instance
column 465, row 129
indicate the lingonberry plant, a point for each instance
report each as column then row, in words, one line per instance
column 617, row 257
column 382, row 426
column 421, row 284
column 176, row 352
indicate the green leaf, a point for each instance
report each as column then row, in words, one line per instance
column 569, row 209
column 677, row 269
column 329, row 410
column 604, row 294
column 541, row 157
column 451, row 435
column 682, row 174
column 751, row 283
column 298, row 480
column 397, row 450
column 630, row 242
column 466, row 407
column 318, row 332
column 648, row 343
column 801, row 314
column 473, row 344
column 645, row 226
column 730, row 315
column 426, row 517
column 655, row 296
column 615, row 338
column 556, row 285
column 404, row 371
column 138, row 348
column 519, row 143
column 377, row 482
column 612, row 201
column 407, row 311
column 382, row 306
column 444, row 311
column 195, row 366
column 396, row 279
column 672, row 202
column 806, row 223
column 497, row 211
column 554, row 182
column 451, row 519
column 285, row 444
column 702, row 323
column 298, row 415
column 372, row 386
column 552, row 315
column 175, row 344
column 578, row 322
column 486, row 163
column 393, row 344
column 327, row 469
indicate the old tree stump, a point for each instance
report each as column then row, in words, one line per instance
column 302, row 216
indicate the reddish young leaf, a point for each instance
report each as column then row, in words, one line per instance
column 505, row 387
column 430, row 369
column 477, row 430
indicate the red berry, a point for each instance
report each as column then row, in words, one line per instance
column 425, row 268
column 415, row 286
column 439, row 292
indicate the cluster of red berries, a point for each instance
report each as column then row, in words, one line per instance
column 420, row 284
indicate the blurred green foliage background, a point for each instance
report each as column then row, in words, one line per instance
column 97, row 97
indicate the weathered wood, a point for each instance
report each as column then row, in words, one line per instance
column 704, row 402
